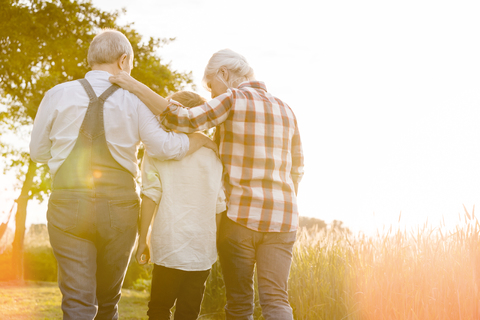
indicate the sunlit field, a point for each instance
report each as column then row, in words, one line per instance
column 422, row 273
column 416, row 274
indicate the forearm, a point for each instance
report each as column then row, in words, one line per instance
column 147, row 211
column 202, row 117
column 155, row 102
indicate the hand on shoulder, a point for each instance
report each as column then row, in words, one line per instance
column 123, row 80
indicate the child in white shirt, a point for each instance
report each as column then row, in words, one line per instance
column 189, row 194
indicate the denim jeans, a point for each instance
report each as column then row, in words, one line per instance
column 170, row 285
column 239, row 249
column 92, row 239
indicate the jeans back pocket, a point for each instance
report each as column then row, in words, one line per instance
column 123, row 214
column 63, row 214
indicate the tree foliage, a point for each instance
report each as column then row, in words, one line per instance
column 44, row 43
column 314, row 225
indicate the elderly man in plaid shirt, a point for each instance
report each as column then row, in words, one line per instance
column 260, row 147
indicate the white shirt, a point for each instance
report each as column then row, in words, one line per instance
column 127, row 122
column 190, row 192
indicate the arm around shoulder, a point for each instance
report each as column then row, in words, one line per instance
column 155, row 102
column 158, row 143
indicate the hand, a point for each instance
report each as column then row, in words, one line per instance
column 124, row 80
column 143, row 253
column 211, row 145
column 198, row 140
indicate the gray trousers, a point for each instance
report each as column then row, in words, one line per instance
column 240, row 249
column 92, row 239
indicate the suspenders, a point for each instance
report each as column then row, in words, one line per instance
column 93, row 124
column 90, row 165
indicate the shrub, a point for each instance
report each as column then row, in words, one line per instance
column 40, row 264
column 138, row 276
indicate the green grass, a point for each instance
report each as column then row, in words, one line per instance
column 41, row 301
column 32, row 301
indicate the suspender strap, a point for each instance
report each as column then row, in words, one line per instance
column 91, row 94
column 92, row 125
column 88, row 88
column 107, row 93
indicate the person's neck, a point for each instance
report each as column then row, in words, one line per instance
column 110, row 68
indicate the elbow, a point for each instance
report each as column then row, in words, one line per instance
column 39, row 151
column 158, row 153
column 38, row 157
column 167, row 152
column 177, row 147
column 174, row 147
column 34, row 157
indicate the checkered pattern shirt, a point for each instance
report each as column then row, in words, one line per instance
column 260, row 149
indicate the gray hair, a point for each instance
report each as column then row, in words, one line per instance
column 236, row 64
column 107, row 47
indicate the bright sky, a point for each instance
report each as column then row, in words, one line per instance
column 386, row 94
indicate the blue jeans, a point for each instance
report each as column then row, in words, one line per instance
column 239, row 249
column 92, row 239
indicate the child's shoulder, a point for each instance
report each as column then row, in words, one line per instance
column 203, row 157
column 207, row 153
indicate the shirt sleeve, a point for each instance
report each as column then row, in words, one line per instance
column 158, row 143
column 203, row 117
column 297, row 157
column 151, row 183
column 40, row 143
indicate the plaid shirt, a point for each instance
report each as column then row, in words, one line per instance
column 260, row 149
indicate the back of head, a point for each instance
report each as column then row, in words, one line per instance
column 237, row 65
column 187, row 98
column 107, row 47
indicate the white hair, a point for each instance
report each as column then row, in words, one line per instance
column 107, row 47
column 236, row 64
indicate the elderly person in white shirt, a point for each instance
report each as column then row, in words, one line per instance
column 88, row 132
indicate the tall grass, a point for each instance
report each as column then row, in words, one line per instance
column 321, row 277
column 422, row 273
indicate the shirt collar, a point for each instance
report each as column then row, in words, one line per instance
column 98, row 75
column 253, row 84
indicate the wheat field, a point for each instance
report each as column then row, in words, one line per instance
column 422, row 273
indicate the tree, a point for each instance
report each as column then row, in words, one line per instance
column 44, row 43
column 311, row 223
